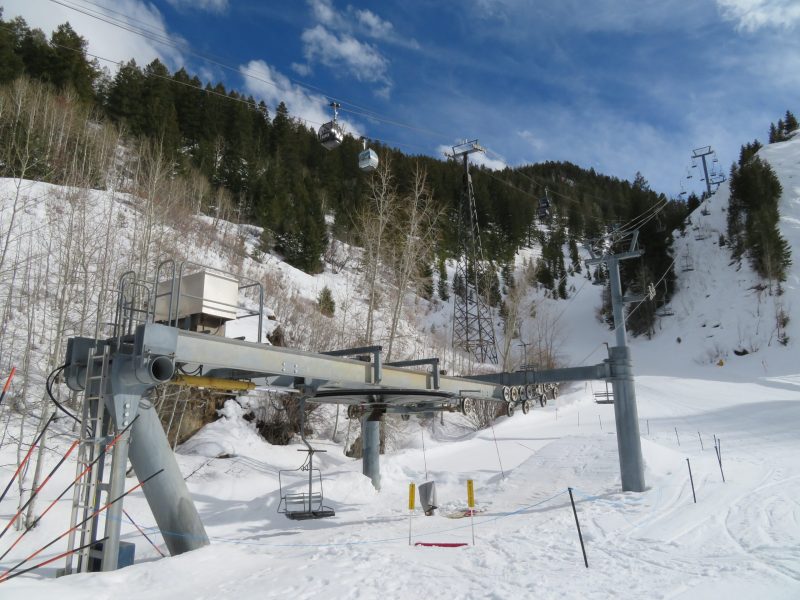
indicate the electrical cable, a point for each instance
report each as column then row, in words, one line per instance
column 633, row 310
column 48, row 386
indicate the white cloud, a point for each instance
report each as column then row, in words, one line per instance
column 301, row 69
column 324, row 13
column 104, row 39
column 532, row 139
column 342, row 51
column 751, row 15
column 373, row 25
column 516, row 16
column 217, row 6
column 334, row 41
column 267, row 83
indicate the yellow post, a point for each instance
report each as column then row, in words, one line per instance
column 411, row 497
column 471, row 504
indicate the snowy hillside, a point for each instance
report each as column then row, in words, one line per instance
column 721, row 310
column 739, row 541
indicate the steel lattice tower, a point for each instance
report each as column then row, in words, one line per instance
column 473, row 329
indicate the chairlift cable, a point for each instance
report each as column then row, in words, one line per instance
column 34, row 495
column 249, row 73
column 5, row 575
column 52, row 560
column 100, row 456
column 27, row 456
column 147, row 537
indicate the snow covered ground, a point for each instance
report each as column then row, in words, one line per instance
column 739, row 541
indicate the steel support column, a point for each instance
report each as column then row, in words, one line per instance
column 371, row 445
column 626, row 416
column 167, row 494
column 119, row 463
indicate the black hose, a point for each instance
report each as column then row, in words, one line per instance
column 51, row 378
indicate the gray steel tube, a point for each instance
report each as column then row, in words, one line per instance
column 167, row 494
column 626, row 414
column 371, row 443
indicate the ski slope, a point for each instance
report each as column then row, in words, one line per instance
column 740, row 538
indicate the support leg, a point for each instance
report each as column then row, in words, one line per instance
column 167, row 494
column 626, row 416
column 371, row 438
column 119, row 462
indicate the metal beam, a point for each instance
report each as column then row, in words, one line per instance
column 601, row 371
column 620, row 256
column 287, row 364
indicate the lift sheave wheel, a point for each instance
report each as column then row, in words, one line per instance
column 526, row 407
column 509, row 409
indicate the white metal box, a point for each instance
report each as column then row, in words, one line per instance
column 206, row 293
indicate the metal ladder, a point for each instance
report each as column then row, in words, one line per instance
column 89, row 484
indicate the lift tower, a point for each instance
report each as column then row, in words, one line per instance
column 715, row 178
column 626, row 413
column 473, row 329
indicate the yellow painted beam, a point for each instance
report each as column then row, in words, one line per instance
column 213, row 383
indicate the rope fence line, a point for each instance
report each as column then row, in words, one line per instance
column 404, row 538
column 623, row 503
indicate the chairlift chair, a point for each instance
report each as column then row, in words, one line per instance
column 302, row 498
column 367, row 158
column 331, row 134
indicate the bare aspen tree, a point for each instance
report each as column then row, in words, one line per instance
column 415, row 240
column 374, row 222
column 512, row 322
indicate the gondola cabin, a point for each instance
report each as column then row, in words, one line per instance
column 368, row 160
column 330, row 135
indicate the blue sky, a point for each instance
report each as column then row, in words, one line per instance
column 618, row 85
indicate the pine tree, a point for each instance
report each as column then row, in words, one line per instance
column 753, row 219
column 789, row 123
column 69, row 66
column 326, row 303
column 442, row 287
column 34, row 50
column 158, row 117
column 125, row 96
column 11, row 65
column 425, row 284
